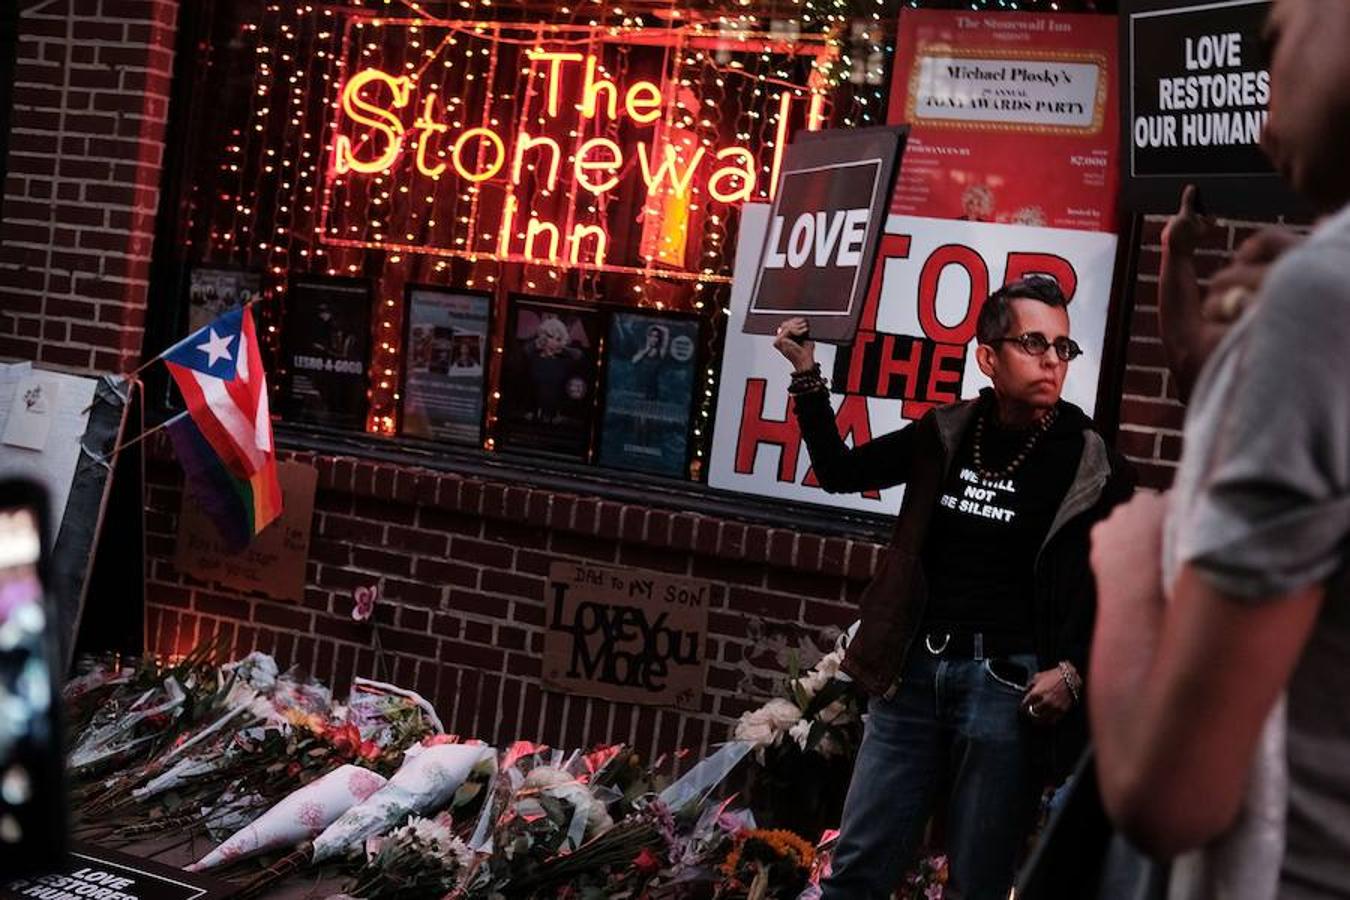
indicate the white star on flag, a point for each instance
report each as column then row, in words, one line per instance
column 216, row 347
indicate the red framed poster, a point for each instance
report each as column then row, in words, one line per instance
column 1014, row 118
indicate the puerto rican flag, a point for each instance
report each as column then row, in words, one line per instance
column 219, row 371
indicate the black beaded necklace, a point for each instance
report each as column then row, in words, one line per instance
column 1041, row 428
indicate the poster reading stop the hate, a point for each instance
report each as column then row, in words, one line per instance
column 914, row 348
column 1013, row 118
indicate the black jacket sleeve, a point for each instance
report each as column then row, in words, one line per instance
column 880, row 463
column 1075, row 633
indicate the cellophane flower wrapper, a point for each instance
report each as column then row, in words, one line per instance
column 103, row 741
column 694, row 786
column 376, row 709
column 425, row 783
column 298, row 817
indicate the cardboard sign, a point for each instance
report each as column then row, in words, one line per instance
column 275, row 562
column 1012, row 116
column 828, row 213
column 95, row 872
column 915, row 346
column 625, row 634
column 1196, row 100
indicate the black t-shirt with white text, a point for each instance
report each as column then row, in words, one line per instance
column 980, row 552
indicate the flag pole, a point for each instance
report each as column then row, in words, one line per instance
column 112, row 454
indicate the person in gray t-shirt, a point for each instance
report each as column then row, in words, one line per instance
column 1248, row 600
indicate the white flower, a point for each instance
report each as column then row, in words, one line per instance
column 763, row 726
column 829, row 664
column 835, row 713
column 812, row 682
column 754, row 731
column 558, row 783
column 782, row 713
column 800, row 732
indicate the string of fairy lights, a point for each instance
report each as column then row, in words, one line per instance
column 731, row 73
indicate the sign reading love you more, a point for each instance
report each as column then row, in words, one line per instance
column 626, row 635
column 829, row 211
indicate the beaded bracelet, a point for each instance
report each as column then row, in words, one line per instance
column 808, row 381
column 1071, row 681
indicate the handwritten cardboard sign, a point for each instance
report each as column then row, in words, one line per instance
column 275, row 562
column 626, row 634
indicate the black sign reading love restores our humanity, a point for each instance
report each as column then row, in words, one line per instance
column 829, row 211
column 1196, row 98
column 92, row 872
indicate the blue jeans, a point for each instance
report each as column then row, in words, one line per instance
column 951, row 721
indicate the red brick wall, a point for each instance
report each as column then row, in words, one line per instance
column 90, row 103
column 462, row 566
column 1151, row 417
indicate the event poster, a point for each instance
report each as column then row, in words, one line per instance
column 213, row 291
column 445, row 356
column 915, row 346
column 651, row 372
column 1196, row 100
column 325, row 343
column 549, row 374
column 1013, row 117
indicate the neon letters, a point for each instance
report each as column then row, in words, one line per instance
column 388, row 127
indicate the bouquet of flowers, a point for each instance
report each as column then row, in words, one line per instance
column 123, row 717
column 423, row 858
column 766, row 863
column 542, row 811
column 805, row 744
column 424, row 784
column 927, row 880
column 219, row 777
column 299, row 817
column 822, row 715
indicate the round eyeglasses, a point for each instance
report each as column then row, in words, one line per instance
column 1035, row 344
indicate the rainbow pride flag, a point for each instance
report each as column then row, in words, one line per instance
column 224, row 440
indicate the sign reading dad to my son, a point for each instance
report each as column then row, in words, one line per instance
column 829, row 211
column 1197, row 94
column 626, row 635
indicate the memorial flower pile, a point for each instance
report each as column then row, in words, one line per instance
column 372, row 792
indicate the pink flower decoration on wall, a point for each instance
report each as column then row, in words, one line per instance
column 366, row 598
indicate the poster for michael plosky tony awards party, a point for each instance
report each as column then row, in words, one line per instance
column 1013, row 118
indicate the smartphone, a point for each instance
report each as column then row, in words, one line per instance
column 32, row 783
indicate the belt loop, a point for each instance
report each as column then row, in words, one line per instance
column 979, row 646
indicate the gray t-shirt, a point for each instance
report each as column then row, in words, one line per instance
column 1261, row 507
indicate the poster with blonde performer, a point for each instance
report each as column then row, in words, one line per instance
column 548, row 384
